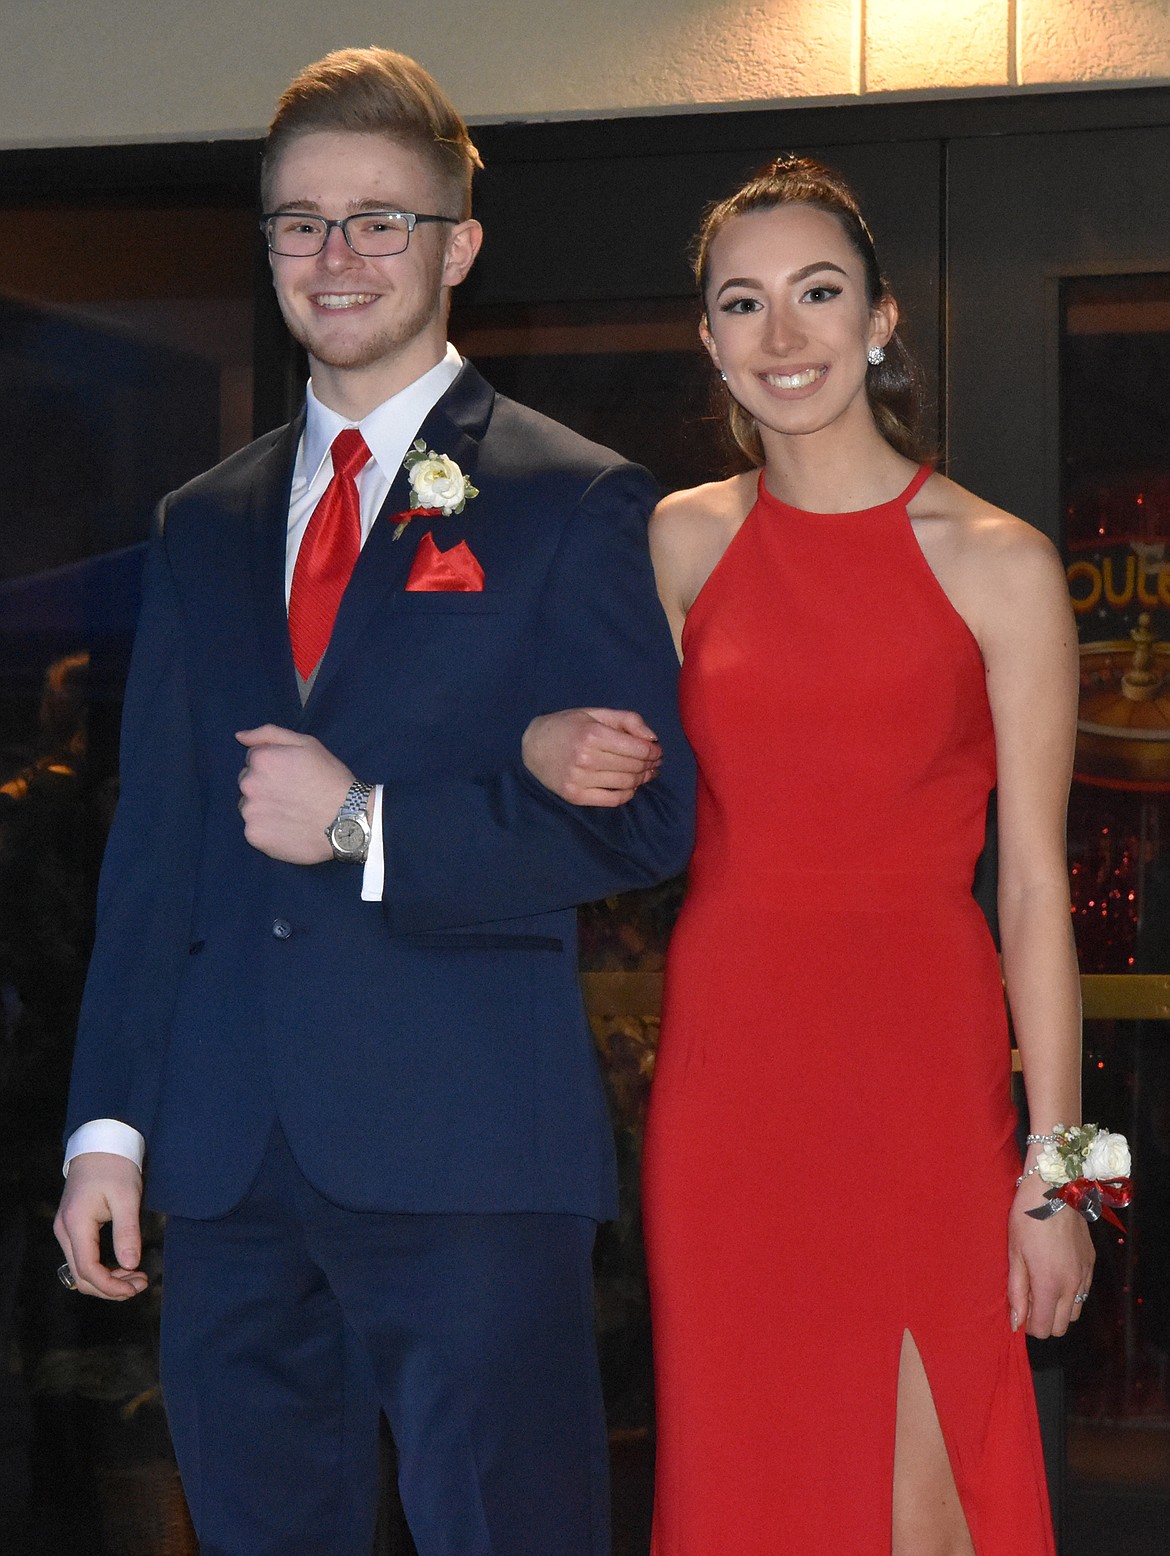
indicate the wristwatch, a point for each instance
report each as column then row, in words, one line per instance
column 349, row 831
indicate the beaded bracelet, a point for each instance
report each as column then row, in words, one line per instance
column 1040, row 1140
column 1056, row 1205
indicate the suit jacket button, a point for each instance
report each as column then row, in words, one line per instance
column 281, row 929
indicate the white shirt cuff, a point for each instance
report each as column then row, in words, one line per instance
column 374, row 873
column 106, row 1134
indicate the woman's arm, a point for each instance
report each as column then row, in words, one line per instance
column 1029, row 644
column 602, row 756
column 592, row 756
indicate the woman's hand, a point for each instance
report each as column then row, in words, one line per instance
column 1050, row 1263
column 592, row 756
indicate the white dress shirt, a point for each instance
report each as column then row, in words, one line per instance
column 389, row 430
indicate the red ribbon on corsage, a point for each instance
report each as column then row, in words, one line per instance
column 1093, row 1197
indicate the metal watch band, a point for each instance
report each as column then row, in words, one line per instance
column 357, row 797
column 350, row 816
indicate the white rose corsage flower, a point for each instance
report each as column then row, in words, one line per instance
column 438, row 488
column 1087, row 1168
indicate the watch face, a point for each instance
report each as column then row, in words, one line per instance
column 349, row 836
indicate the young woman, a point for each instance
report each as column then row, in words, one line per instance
column 843, row 1270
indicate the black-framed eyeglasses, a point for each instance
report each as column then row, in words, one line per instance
column 373, row 234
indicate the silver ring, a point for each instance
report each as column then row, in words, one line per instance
column 65, row 1276
column 1081, row 1296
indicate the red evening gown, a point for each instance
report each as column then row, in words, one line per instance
column 830, row 1153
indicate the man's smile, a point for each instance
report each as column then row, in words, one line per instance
column 339, row 300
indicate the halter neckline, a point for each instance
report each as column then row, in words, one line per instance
column 917, row 481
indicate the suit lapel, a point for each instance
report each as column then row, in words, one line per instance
column 454, row 427
column 269, row 535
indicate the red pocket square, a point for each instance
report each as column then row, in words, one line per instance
column 455, row 570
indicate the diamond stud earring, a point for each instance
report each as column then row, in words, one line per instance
column 874, row 355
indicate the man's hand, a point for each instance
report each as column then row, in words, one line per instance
column 102, row 1187
column 291, row 788
column 592, row 756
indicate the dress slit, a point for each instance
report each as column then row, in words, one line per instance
column 911, row 1352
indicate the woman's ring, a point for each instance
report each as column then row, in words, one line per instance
column 65, row 1276
column 1081, row 1296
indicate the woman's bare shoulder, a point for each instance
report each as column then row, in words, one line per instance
column 995, row 566
column 691, row 529
column 697, row 507
column 976, row 527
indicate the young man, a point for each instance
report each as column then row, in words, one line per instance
column 334, row 995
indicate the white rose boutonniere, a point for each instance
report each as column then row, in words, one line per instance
column 437, row 481
column 438, row 488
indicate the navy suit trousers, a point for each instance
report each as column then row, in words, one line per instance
column 291, row 1323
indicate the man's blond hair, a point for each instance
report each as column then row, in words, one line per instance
column 376, row 92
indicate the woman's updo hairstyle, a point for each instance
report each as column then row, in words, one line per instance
column 894, row 386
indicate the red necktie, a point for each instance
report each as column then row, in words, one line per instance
column 329, row 548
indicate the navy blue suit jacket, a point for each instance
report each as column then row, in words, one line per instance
column 430, row 1053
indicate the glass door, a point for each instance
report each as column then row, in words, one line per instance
column 1115, row 471
column 1058, row 360
column 126, row 341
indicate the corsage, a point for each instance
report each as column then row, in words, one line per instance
column 1087, row 1168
